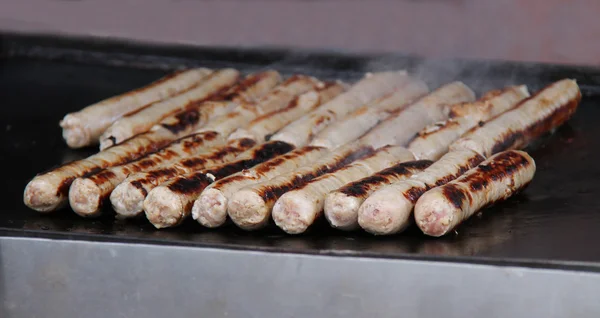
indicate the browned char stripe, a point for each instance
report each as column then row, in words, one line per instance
column 413, row 194
column 244, row 85
column 503, row 166
column 202, row 160
column 185, row 120
column 455, row 195
column 470, row 164
column 298, row 181
column 519, row 139
column 195, row 183
column 363, row 186
column 102, row 176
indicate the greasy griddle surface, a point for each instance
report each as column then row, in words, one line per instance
column 556, row 219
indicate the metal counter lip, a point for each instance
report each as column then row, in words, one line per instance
column 200, row 247
column 526, row 289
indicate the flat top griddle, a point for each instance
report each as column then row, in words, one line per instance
column 554, row 223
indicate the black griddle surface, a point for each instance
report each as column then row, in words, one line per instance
column 555, row 222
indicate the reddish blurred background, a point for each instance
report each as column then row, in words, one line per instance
column 558, row 31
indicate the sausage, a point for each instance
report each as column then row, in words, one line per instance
column 514, row 129
column 388, row 210
column 433, row 141
column 210, row 209
column 129, row 204
column 250, row 207
column 297, row 209
column 441, row 209
column 341, row 206
column 277, row 99
column 373, row 86
column 264, row 126
column 540, row 113
column 247, row 92
column 48, row 191
column 170, row 203
column 84, row 127
column 358, row 122
column 429, row 109
column 143, row 119
column 86, row 195
column 377, row 137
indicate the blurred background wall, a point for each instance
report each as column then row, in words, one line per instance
column 559, row 31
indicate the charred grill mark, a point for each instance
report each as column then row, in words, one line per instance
column 517, row 139
column 271, row 164
column 462, row 169
column 299, row 181
column 202, row 160
column 363, row 186
column 502, row 166
column 195, row 183
column 184, row 120
column 239, row 89
column 414, row 193
column 556, row 118
column 138, row 185
column 246, row 142
column 193, row 141
column 190, row 184
column 103, row 176
column 455, row 195
column 291, row 105
column 508, row 141
column 63, row 188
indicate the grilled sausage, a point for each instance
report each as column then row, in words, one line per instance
column 142, row 120
column 341, row 206
column 388, row 210
column 432, row 142
column 276, row 100
column 129, row 204
column 263, row 126
column 441, row 209
column 429, row 109
column 247, row 92
column 210, row 209
column 48, row 191
column 297, row 209
column 83, row 128
column 170, row 203
column 86, row 195
column 250, row 207
column 374, row 139
column 301, row 131
column 537, row 115
column 358, row 122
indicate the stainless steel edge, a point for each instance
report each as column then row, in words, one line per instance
column 61, row 278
